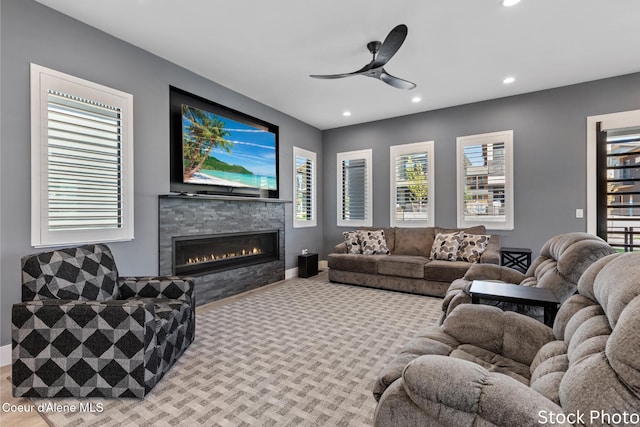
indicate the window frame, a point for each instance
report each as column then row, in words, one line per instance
column 495, row 222
column 310, row 155
column 41, row 81
column 367, row 156
column 622, row 119
column 426, row 147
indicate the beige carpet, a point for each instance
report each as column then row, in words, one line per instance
column 304, row 353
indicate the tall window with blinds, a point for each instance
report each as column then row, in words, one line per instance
column 304, row 188
column 81, row 161
column 412, row 202
column 354, row 188
column 485, row 180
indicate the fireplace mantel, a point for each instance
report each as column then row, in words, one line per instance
column 219, row 197
column 182, row 215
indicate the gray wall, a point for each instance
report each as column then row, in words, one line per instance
column 31, row 32
column 549, row 155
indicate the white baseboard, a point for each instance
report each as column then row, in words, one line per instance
column 291, row 273
column 5, row 355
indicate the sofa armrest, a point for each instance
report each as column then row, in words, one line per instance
column 170, row 287
column 458, row 392
column 340, row 248
column 509, row 334
column 493, row 272
column 491, row 254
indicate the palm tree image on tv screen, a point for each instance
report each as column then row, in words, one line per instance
column 219, row 151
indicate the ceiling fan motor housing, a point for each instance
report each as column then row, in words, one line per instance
column 374, row 47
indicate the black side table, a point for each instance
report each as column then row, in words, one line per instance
column 516, row 258
column 307, row 265
column 508, row 292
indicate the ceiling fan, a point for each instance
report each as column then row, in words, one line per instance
column 382, row 53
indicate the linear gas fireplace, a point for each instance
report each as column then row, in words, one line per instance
column 218, row 252
column 185, row 220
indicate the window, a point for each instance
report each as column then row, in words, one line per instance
column 618, row 191
column 613, row 178
column 485, row 180
column 354, row 189
column 81, row 161
column 412, row 202
column 304, row 188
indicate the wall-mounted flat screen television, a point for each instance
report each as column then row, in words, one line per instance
column 220, row 151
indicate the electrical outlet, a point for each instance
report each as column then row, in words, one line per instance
column 579, row 213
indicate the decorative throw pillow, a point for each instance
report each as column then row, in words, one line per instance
column 472, row 246
column 373, row 242
column 445, row 246
column 352, row 239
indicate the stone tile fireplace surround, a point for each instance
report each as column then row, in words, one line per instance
column 186, row 217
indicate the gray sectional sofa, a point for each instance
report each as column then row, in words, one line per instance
column 408, row 266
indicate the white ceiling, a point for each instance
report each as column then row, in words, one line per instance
column 457, row 51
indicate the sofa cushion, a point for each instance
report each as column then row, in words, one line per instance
column 446, row 246
column 472, row 247
column 414, row 241
column 445, row 271
column 403, row 266
column 373, row 242
column 352, row 240
column 355, row 263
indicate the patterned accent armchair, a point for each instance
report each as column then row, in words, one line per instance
column 83, row 331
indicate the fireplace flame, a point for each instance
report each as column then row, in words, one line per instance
column 216, row 257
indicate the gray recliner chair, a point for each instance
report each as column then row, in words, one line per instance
column 563, row 259
column 488, row 367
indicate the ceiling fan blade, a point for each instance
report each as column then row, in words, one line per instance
column 331, row 76
column 339, row 76
column 396, row 81
column 390, row 45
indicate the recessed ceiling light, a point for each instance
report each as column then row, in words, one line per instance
column 416, row 99
column 508, row 80
column 508, row 3
column 346, row 113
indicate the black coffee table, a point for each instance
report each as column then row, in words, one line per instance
column 507, row 292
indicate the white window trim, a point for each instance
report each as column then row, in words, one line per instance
column 624, row 119
column 352, row 155
column 43, row 79
column 398, row 150
column 313, row 222
column 486, row 138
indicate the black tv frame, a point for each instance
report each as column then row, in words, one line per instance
column 177, row 97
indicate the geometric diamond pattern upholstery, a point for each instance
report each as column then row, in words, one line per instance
column 82, row 331
column 86, row 273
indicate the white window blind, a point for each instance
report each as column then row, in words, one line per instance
column 304, row 188
column 485, row 180
column 81, row 157
column 84, row 163
column 354, row 192
column 412, row 203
